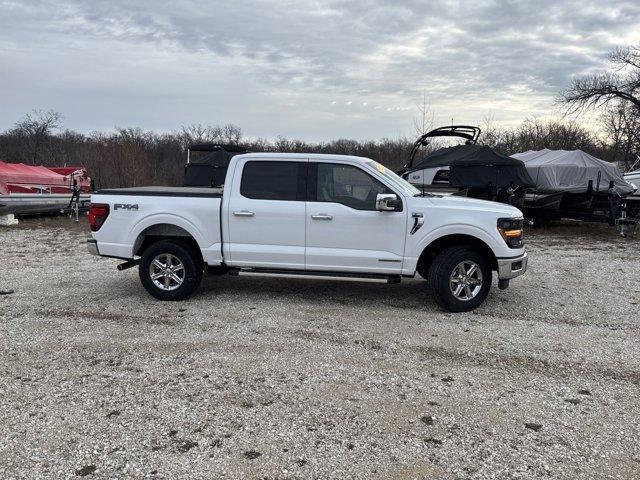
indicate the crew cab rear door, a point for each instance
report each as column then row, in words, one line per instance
column 345, row 232
column 266, row 213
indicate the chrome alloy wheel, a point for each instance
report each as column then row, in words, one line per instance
column 167, row 271
column 466, row 280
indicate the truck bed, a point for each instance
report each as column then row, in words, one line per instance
column 164, row 191
column 140, row 211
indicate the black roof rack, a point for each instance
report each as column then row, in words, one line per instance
column 212, row 147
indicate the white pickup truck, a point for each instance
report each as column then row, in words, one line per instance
column 313, row 215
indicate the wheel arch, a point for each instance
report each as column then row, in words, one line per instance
column 164, row 231
column 430, row 252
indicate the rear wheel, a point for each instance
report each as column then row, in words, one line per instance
column 460, row 279
column 170, row 270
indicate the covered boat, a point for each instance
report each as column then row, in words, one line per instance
column 30, row 190
column 634, row 180
column 572, row 171
column 574, row 184
column 633, row 200
column 476, row 166
column 475, row 170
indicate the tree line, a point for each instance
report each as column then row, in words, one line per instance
column 132, row 156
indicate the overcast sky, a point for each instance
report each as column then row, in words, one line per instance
column 315, row 70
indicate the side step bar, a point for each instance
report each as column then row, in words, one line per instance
column 367, row 277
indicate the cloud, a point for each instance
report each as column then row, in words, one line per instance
column 299, row 68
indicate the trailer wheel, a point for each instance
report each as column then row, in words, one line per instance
column 170, row 270
column 460, row 279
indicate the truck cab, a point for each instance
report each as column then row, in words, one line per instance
column 308, row 214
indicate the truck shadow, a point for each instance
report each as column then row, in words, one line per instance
column 410, row 294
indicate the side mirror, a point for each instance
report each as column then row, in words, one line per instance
column 387, row 202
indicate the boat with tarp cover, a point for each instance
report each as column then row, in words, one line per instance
column 36, row 190
column 470, row 170
column 574, row 184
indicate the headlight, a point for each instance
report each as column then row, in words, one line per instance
column 511, row 231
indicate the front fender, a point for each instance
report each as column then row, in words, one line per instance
column 418, row 245
column 460, row 229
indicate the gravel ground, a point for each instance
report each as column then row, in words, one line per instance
column 281, row 378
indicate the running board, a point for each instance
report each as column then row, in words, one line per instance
column 366, row 277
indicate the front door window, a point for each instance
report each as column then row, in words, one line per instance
column 348, row 185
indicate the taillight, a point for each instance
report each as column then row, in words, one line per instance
column 511, row 229
column 98, row 213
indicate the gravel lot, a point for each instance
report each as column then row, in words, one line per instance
column 281, row 378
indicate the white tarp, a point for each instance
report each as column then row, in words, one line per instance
column 570, row 171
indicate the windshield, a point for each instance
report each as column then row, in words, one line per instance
column 394, row 179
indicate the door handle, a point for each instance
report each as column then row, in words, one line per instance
column 244, row 213
column 322, row 216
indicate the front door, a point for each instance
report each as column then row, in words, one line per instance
column 266, row 214
column 345, row 232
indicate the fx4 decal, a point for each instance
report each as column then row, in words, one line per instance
column 125, row 206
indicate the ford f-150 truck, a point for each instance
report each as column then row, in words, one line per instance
column 314, row 215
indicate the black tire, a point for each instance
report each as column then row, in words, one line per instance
column 443, row 267
column 188, row 258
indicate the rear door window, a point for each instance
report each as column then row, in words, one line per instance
column 274, row 180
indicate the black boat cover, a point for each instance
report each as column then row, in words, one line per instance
column 477, row 166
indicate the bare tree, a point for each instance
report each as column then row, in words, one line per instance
column 231, row 134
column 35, row 129
column 423, row 122
column 536, row 134
column 621, row 82
column 621, row 123
column 132, row 156
column 492, row 134
column 198, row 133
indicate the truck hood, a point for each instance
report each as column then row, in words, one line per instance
column 464, row 203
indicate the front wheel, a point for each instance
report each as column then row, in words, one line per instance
column 170, row 270
column 460, row 278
